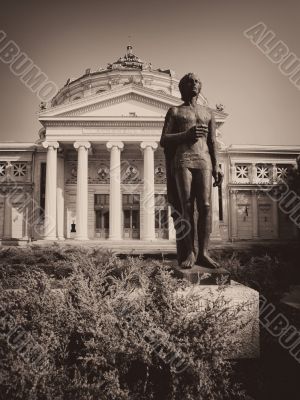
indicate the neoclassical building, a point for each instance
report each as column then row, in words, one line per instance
column 97, row 171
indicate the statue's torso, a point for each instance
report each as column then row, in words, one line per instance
column 192, row 155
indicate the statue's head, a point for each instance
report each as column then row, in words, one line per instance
column 189, row 86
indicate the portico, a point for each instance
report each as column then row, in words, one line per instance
column 118, row 182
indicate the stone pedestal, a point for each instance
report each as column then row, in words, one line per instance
column 237, row 297
column 206, row 288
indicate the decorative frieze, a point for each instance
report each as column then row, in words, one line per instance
column 258, row 173
column 11, row 171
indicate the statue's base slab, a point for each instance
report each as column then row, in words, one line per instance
column 237, row 297
column 202, row 276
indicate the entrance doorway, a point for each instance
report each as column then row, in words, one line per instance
column 265, row 224
column 161, row 217
column 102, row 215
column 131, row 216
column 244, row 221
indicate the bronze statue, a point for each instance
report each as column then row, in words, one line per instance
column 189, row 142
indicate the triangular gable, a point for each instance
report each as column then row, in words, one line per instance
column 130, row 104
column 117, row 102
column 128, row 101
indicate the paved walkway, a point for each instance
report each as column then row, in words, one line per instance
column 158, row 246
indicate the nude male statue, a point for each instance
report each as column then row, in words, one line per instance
column 189, row 142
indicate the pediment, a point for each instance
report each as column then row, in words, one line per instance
column 126, row 105
column 125, row 102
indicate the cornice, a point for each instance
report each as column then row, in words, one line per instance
column 114, row 124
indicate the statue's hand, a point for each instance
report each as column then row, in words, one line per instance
column 218, row 177
column 196, row 132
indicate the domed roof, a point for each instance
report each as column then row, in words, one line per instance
column 125, row 70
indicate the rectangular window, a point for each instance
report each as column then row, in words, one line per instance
column 98, row 220
column 106, row 219
column 135, row 219
column 102, row 219
column 161, row 212
column 101, row 201
column 157, row 215
column 127, row 218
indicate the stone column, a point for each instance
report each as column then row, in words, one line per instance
column 60, row 198
column 51, row 184
column 215, row 227
column 115, row 197
column 233, row 215
column 82, row 190
column 254, row 214
column 148, row 204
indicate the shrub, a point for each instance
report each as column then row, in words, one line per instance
column 108, row 329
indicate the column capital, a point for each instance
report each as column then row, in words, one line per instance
column 86, row 145
column 119, row 145
column 144, row 145
column 46, row 144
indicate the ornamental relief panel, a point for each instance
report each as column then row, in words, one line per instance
column 71, row 172
column 159, row 172
column 98, row 171
column 131, row 171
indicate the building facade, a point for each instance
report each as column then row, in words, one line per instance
column 97, row 171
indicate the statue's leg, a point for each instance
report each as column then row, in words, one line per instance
column 180, row 248
column 203, row 184
column 184, row 184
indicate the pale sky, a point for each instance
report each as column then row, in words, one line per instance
column 206, row 37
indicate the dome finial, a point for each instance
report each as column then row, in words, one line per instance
column 129, row 49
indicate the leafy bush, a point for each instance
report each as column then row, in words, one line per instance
column 269, row 271
column 98, row 327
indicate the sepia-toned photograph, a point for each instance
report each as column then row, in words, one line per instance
column 149, row 200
